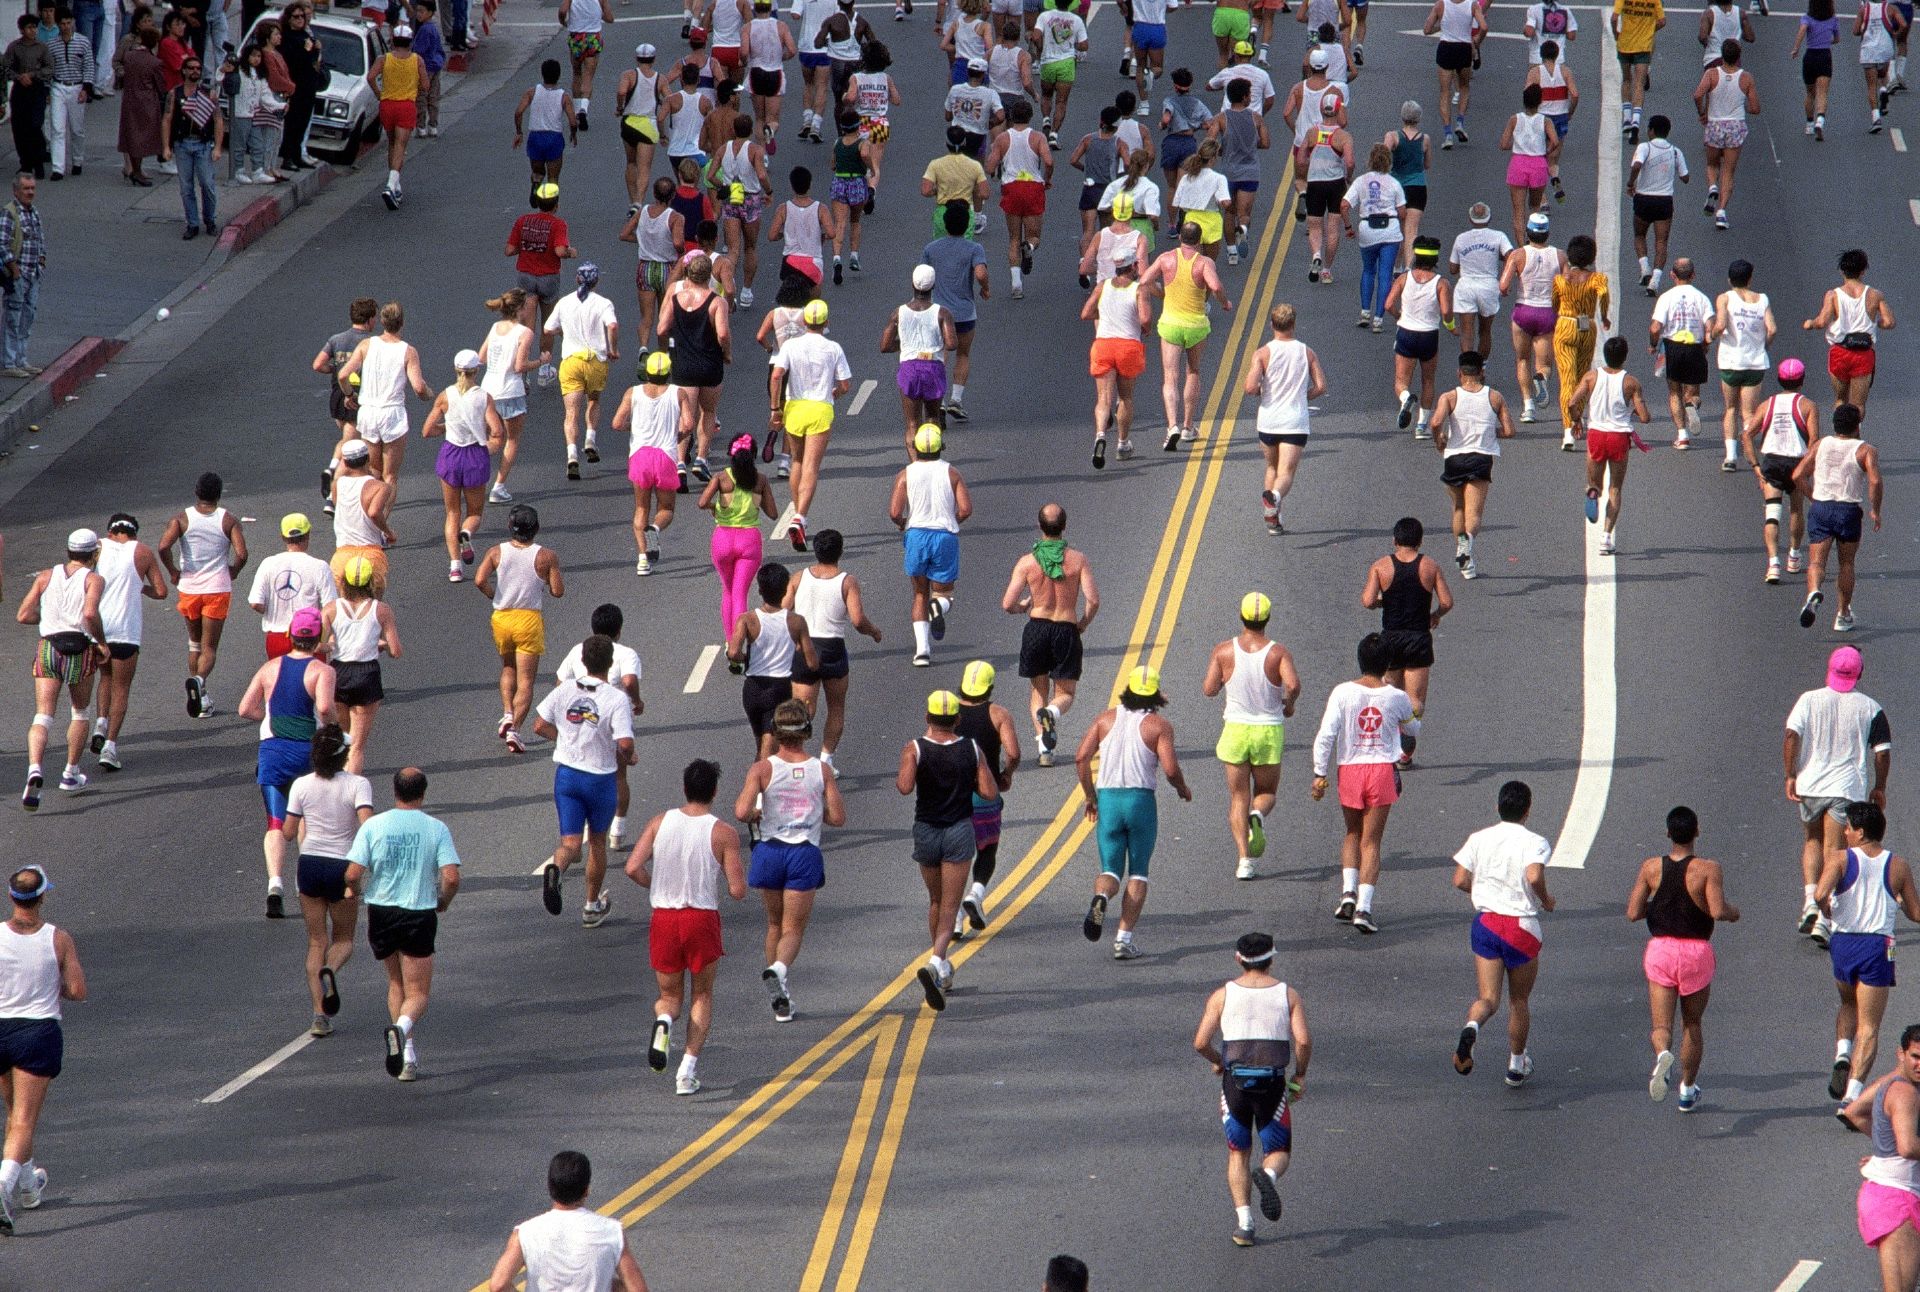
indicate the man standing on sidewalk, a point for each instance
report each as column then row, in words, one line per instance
column 23, row 258
column 74, row 68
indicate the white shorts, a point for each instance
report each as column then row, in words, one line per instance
column 1011, row 8
column 381, row 425
column 1477, row 296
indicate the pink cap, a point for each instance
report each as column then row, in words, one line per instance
column 1792, row 370
column 1843, row 668
column 306, row 623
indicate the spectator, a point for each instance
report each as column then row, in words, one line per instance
column 23, row 258
column 142, row 17
column 113, row 20
column 258, row 115
column 143, row 98
column 174, row 47
column 457, row 35
column 301, row 48
column 49, row 23
column 90, row 20
column 27, row 71
column 279, row 76
column 193, row 127
column 195, row 13
column 433, row 59
column 73, row 70
column 218, row 40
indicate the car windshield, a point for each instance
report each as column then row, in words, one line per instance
column 345, row 51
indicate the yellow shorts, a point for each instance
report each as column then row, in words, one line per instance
column 804, row 417
column 583, row 371
column 519, row 632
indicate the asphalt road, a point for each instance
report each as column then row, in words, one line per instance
column 1055, row 1105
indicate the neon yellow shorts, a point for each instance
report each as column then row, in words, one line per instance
column 1177, row 329
column 1058, row 72
column 1231, row 24
column 519, row 632
column 1245, row 743
column 804, row 417
column 584, row 371
column 1213, row 225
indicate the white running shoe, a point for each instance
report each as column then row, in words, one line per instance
column 1245, row 869
column 28, row 1192
column 499, row 494
column 687, row 1083
column 1657, row 1083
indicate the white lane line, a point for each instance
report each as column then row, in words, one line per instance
column 260, row 1069
column 1599, row 699
column 1799, row 1276
column 701, row 666
column 1899, row 139
column 1913, row 208
column 861, row 397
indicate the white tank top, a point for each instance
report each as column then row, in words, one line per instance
column 1117, row 317
column 1864, row 903
column 736, row 163
column 356, row 639
column 121, row 613
column 823, row 604
column 930, row 499
column 845, row 49
column 1743, row 346
column 1726, row 27
column 1537, row 272
column 794, row 802
column 546, row 112
column 763, row 44
column 726, row 25
column 1456, row 22
column 1529, row 134
column 1475, row 428
column 656, row 421
column 203, row 551
column 1786, row 429
column 813, row 15
column 1324, row 161
column 64, row 603
column 1125, row 761
column 770, row 654
column 653, row 235
column 1312, row 116
column 1420, row 304
column 969, row 39
column 645, row 99
column 1607, row 406
column 1851, row 315
column 685, row 871
column 1003, row 70
column 466, row 417
column 1837, row 476
column 503, row 380
column 870, row 95
column 29, row 974
column 802, row 230
column 920, row 333
column 1553, row 89
column 1876, row 42
column 1726, row 101
column 1256, row 1014
column 1283, row 392
column 683, row 136
column 1251, row 699
column 351, row 528
column 1022, row 161
column 518, row 585
column 383, row 375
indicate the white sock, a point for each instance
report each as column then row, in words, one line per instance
column 620, row 826
column 1123, row 936
column 275, row 886
column 688, row 1062
column 1645, row 269
column 9, row 1175
column 959, row 392
column 1516, row 1060
column 1729, row 444
column 1366, row 897
column 1473, row 1027
column 405, row 1025
column 593, row 439
column 1259, row 816
column 33, row 769
column 71, row 769
column 1245, row 1216
column 945, row 604
column 1808, row 890
column 922, row 637
column 1853, row 1090
column 1844, row 1050
column 664, row 1018
column 583, row 106
column 977, row 891
column 393, row 179
column 1016, row 277
column 779, row 968
column 1349, row 880
column 1469, row 538
column 1687, row 1090
column 407, row 1052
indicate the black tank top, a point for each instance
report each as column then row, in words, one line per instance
column 945, row 782
column 1406, row 606
column 1672, row 913
column 976, row 723
column 696, row 342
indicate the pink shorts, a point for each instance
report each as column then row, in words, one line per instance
column 1684, row 964
column 1527, row 170
column 1884, row 1209
column 651, row 468
column 1365, row 785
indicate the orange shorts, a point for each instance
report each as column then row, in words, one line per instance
column 204, row 605
column 1608, row 446
column 1117, row 354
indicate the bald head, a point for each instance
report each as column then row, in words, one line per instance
column 1053, row 520
column 1683, row 270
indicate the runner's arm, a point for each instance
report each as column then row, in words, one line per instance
column 1217, row 670
column 1089, row 594
column 857, row 609
column 1717, row 904
column 639, row 865
column 1210, row 1016
column 744, row 807
column 73, row 979
column 153, row 581
column 1902, row 879
column 963, row 500
column 909, row 764
column 29, row 612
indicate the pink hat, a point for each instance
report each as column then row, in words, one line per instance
column 1792, row 370
column 306, row 624
column 1843, row 668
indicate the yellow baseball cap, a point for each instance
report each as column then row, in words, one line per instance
column 357, row 572
column 943, row 704
column 295, row 525
column 1123, row 207
column 547, row 192
column 1143, row 682
column 814, row 313
column 660, row 364
column 976, row 680
column 928, row 438
column 1256, row 608
column 1244, row 48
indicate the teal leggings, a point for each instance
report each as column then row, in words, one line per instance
column 1129, row 824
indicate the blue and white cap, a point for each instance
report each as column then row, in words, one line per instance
column 33, row 889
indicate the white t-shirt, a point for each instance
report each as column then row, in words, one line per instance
column 1362, row 724
column 1204, row 190
column 1061, row 33
column 1254, row 75
column 1839, row 732
column 1497, row 858
column 290, row 581
column 1684, row 308
column 1144, row 192
column 1481, row 252
column 973, row 107
column 1537, row 19
column 330, row 806
column 582, row 324
column 626, row 664
column 590, row 717
column 813, row 365
column 1661, row 167
column 574, row 1250
column 1372, row 196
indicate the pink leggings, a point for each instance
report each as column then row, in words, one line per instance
column 736, row 556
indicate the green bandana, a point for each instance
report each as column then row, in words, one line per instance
column 1052, row 555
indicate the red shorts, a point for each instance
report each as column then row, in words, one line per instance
column 683, row 939
column 1116, row 354
column 1684, row 964
column 1365, row 785
column 278, row 644
column 1023, row 197
column 1608, row 446
column 399, row 114
column 1845, row 365
column 728, row 56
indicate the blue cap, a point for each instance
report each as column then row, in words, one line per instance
column 44, row 887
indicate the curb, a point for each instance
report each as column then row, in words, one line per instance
column 81, row 362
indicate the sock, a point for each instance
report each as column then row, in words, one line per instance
column 1516, row 1060
column 407, row 1051
column 1244, row 1215
column 1349, row 880
column 922, row 637
column 573, row 454
column 1473, row 1027
column 393, row 179
column 1854, row 1088
column 977, row 891
column 1645, row 269
column 71, row 769
column 27, row 1169
column 620, row 826
column 1366, row 897
column 779, row 968
column 583, row 107
column 1259, row 816
column 593, row 439
column 1124, row 935
column 664, row 1018
column 1687, row 1090
column 33, row 769
column 405, row 1025
column 9, row 1175
column 1808, row 890
column 945, row 604
column 688, row 1062
column 275, row 886
column 1844, row 1050
column 959, row 393
column 1016, row 278
column 1729, row 444
column 1469, row 543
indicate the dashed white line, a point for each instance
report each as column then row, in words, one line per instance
column 701, row 667
column 861, row 397
column 1913, row 208
column 260, row 1069
column 1899, row 139
column 1798, row 1277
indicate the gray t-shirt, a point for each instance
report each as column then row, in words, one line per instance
column 953, row 260
column 341, row 345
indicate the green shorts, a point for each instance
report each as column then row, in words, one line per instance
column 1642, row 59
column 1739, row 377
column 1232, row 24
column 1243, row 743
column 1058, row 72
column 1184, row 335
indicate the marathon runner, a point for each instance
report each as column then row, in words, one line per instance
column 1725, row 97
column 650, row 414
column 1534, row 156
column 1814, row 37
column 511, row 354
column 1777, row 437
column 332, row 357
column 695, row 330
column 1635, row 24
column 1853, row 315
column 1475, row 263
column 465, row 414
column 1838, row 751
column 928, row 505
column 376, row 377
column 1460, row 26
column 39, row 969
column 1863, row 890
column 1503, row 868
column 545, row 119
column 1680, row 896
column 989, row 726
column 607, row 621
column 1048, row 585
column 291, row 696
column 1422, row 301
column 1580, row 295
column 726, row 23
column 589, row 344
column 325, row 810
column 944, row 771
column 810, row 372
column 357, row 630
column 569, row 1242
column 284, row 583
column 637, row 101
column 1147, row 38
column 829, row 600
column 959, row 267
column 1743, row 325
column 1604, row 401
column 921, row 332
column 538, row 242
column 1232, row 24
column 1374, row 210
column 397, row 77
column 1412, row 596
column 518, row 576
column 1469, row 422
column 589, row 719
column 1361, row 733
column 811, row 15
column 362, row 503
column 1559, row 97
column 1257, row 675
column 738, row 173
column 769, row 47
column 1412, row 153
column 1534, row 267
column 584, row 21
column 765, row 646
column 1059, row 39
column 1021, row 159
column 738, row 496
column 64, row 602
column 129, row 571
column 1189, row 279
column 212, row 550
column 1842, row 477
column 1676, row 337
column 1877, row 25
column 1120, row 312
column 1887, row 1112
column 1285, row 375
column 1099, row 157
column 658, row 232
column 975, row 109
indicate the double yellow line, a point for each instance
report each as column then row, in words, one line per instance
column 873, row 1029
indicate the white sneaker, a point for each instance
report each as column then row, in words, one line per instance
column 499, row 494
column 27, row 1193
column 687, row 1083
column 1606, row 544
column 1682, row 440
column 1245, row 869
column 1527, row 411
column 746, row 298
column 244, row 177
column 643, row 566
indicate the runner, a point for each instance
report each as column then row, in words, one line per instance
column 1604, row 399
column 1010, row 67
column 1242, row 134
column 1890, row 1179
column 1120, row 312
column 544, row 118
column 1777, row 436
column 584, row 21
column 928, row 505
column 1580, row 294
column 39, row 968
column 1049, row 585
column 590, row 721
column 990, row 727
column 1469, row 422
column 686, row 111
column 1862, row 891
column 1135, row 746
column 1262, row 1028
column 1549, row 21
column 1374, row 210
column 1460, row 27
column 1422, row 302
column 1877, row 25
column 1099, row 157
column 1656, row 165
column 1635, row 24
column 1241, row 66
column 1147, row 38
column 358, row 629
column 1361, row 733
column 738, row 172
column 814, row 64
column 589, row 342
column 975, row 109
column 362, row 504
column 1680, row 896
column 650, row 414
column 1676, row 337
column 637, row 102
column 921, row 332
column 871, row 92
column 960, row 268
column 770, row 45
column 1059, row 40
column 1743, row 325
column 1534, row 267
column 738, row 496
column 129, row 571
column 403, row 864
column 1412, row 596
column 1838, row 751
column 658, row 232
column 291, row 696
column 284, row 583
column 212, row 550
column 518, row 576
column 1534, row 146
column 1559, row 98
column 1816, row 33
column 958, row 177
column 1840, row 475
column 1503, row 868
column 805, row 226
column 1722, row 21
column 511, row 354
column 1853, row 315
column 1021, row 159
column 810, row 372
column 569, row 1243
column 64, row 602
column 726, row 23
column 396, row 77
column 332, row 357
column 1257, row 675
column 1726, row 96
column 1120, row 240
column 1475, row 261
column 376, row 377
column 1232, row 24
column 852, row 189
column 1412, row 154
column 1188, row 279
column 538, row 242
column 465, row 413
column 1286, row 376
column 828, row 599
column 607, row 621
column 944, row 771
column 325, row 810
column 765, row 646
column 695, row 329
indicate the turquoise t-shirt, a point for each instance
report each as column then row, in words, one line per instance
column 403, row 851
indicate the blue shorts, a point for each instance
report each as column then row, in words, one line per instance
column 1502, row 938
column 1175, row 149
column 1129, row 826
column 796, row 867
column 812, row 58
column 545, row 146
column 932, row 554
column 1833, row 520
column 1243, row 186
column 584, row 800
column 1255, row 1106
column 1559, row 123
column 1149, row 35
column 281, row 762
column 1906, row 11
column 33, row 1045
column 1863, row 958
column 959, row 72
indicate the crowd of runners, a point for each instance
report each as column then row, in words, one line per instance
column 722, row 232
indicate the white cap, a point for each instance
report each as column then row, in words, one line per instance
column 467, row 361
column 403, row 32
column 355, row 450
column 1317, row 59
column 643, row 52
column 83, row 540
column 923, row 278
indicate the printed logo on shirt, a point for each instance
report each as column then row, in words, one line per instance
column 583, row 712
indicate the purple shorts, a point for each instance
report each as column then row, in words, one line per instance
column 922, row 379
column 852, row 191
column 1534, row 320
column 464, row 466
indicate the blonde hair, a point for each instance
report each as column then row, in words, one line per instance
column 1380, row 157
column 509, row 303
column 1282, row 318
column 1202, row 158
column 392, row 317
column 700, row 270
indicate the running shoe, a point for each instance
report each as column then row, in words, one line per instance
column 1539, row 388
column 1633, row 133
column 1421, row 431
column 1810, row 608
column 936, row 995
column 1842, row 1073
column 594, row 914
column 1720, row 219
column 76, row 782
column 326, row 482
column 1125, row 951
column 110, row 758
column 1359, row 53
column 1842, row 623
column 769, row 445
column 1363, row 920
column 1126, row 65
column 392, row 199
column 1682, row 441
column 592, row 451
column 1049, row 724
column 1822, row 932
column 1713, row 198
column 687, row 1083
column 276, row 906
column 746, row 295
column 1026, row 257
column 1469, row 570
column 783, row 1007
column 1245, row 869
column 1299, row 204
column 653, row 542
column 573, row 468
column 329, row 991
column 6, row 1214
column 1796, row 560
column 975, row 909
column 1270, row 510
column 1820, row 131
column 453, row 573
column 1243, row 1237
column 396, row 1045
column 1607, row 544
column 1592, row 505
column 1344, row 911
column 660, row 1043
column 936, row 619
column 643, row 566
column 1125, row 449
column 1256, row 835
column 515, row 745
column 1657, row 1083
column 466, row 548
column 1100, row 453
column 923, row 660
column 499, row 494
column 797, row 535
column 28, row 1192
column 956, row 412
column 1313, row 270
column 98, row 740
column 1460, row 126
column 1172, row 441
column 1517, row 1073
column 550, row 879
column 196, row 697
column 1566, row 441
column 320, row 1026
column 1269, row 1194
column 409, row 1071
column 1096, row 918
column 1689, row 1098
column 504, row 726
column 1407, row 406
column 1773, row 570
column 1364, row 320
column 1446, row 141
column 1463, row 1050
column 1809, row 916
column 1809, row 127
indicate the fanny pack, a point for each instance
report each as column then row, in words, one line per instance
column 1251, row 1078
column 1379, row 221
column 69, row 644
column 1857, row 341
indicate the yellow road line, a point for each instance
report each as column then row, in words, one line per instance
column 882, row 1174
column 828, row 1237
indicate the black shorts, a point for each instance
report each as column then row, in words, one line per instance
column 1465, row 468
column 123, row 650
column 1049, row 648
column 1453, row 55
column 33, row 1045
column 1419, row 346
column 1323, row 196
column 760, row 696
column 1777, row 470
column 337, row 404
column 1275, row 439
column 358, row 682
column 1416, row 196
column 1090, row 196
column 1651, row 209
column 1686, row 364
column 321, row 877
column 691, row 372
column 833, row 662
column 1815, row 64
column 767, row 82
column 1408, row 649
column 395, row 928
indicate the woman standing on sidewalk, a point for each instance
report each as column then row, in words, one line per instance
column 302, row 51
column 143, row 97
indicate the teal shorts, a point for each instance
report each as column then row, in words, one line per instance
column 1129, row 825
